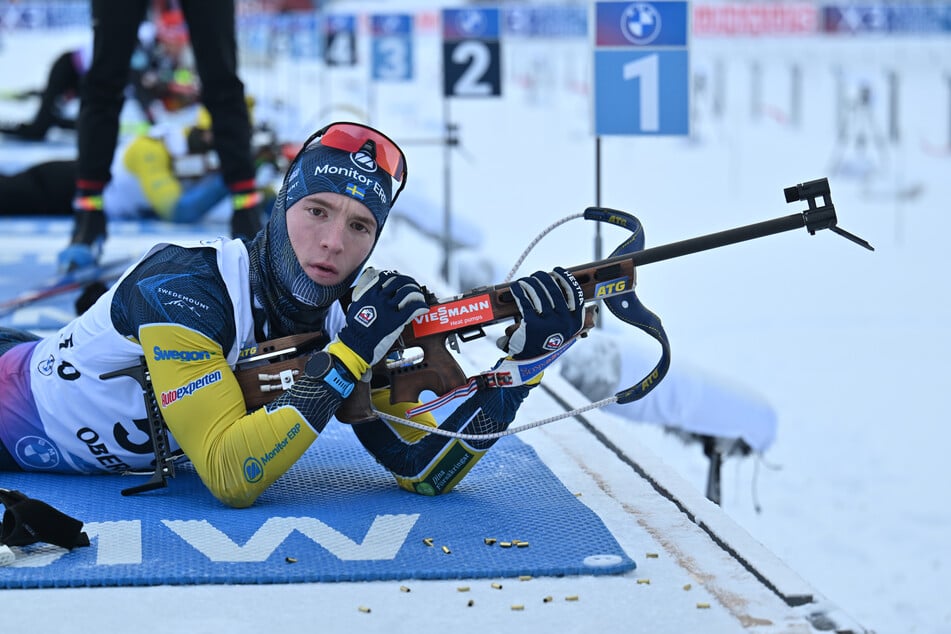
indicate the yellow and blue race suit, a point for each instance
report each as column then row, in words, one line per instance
column 188, row 311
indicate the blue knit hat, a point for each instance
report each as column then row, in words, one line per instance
column 292, row 302
column 354, row 174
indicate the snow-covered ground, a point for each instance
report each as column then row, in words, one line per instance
column 849, row 346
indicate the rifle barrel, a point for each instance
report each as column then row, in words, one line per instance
column 719, row 239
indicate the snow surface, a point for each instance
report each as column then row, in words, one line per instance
column 849, row 347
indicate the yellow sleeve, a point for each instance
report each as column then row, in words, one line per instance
column 149, row 161
column 236, row 454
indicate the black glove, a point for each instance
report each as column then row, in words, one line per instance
column 27, row 521
column 383, row 303
column 552, row 312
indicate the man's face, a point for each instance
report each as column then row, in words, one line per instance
column 331, row 235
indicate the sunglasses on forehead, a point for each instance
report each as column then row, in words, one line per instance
column 353, row 137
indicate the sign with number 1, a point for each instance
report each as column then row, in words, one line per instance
column 641, row 70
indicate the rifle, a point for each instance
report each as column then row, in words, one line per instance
column 463, row 318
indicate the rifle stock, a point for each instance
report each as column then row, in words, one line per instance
column 465, row 318
column 270, row 369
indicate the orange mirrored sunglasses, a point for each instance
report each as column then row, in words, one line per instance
column 352, row 137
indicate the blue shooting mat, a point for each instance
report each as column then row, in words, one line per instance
column 335, row 516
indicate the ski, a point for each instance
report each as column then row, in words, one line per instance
column 19, row 95
column 105, row 273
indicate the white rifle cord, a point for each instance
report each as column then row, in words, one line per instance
column 508, row 432
column 531, row 245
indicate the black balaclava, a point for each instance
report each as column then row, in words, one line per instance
column 291, row 302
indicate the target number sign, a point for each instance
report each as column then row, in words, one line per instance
column 641, row 68
column 392, row 47
column 340, row 40
column 471, row 53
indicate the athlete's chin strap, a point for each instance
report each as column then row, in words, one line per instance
column 628, row 308
column 27, row 521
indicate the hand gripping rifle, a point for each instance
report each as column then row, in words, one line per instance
column 464, row 317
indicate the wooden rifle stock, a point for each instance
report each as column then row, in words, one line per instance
column 272, row 368
column 464, row 317
column 274, row 365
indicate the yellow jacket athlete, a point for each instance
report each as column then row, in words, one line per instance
column 190, row 311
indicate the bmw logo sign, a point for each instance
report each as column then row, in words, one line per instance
column 640, row 23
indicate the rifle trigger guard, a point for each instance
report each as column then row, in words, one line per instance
column 453, row 341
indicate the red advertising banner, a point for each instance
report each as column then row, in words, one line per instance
column 752, row 19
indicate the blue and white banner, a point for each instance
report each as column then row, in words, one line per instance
column 887, row 18
column 545, row 21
